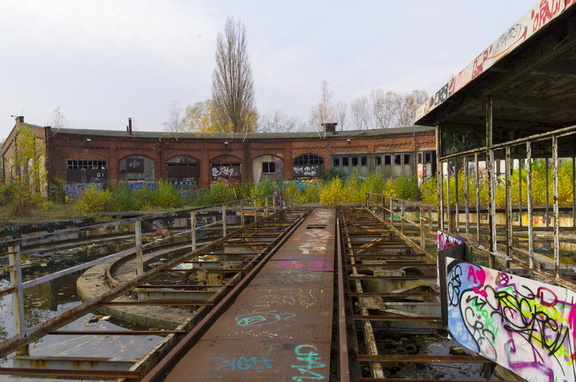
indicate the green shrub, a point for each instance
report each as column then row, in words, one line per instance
column 429, row 191
column 94, row 200
column 330, row 193
column 20, row 199
column 144, row 198
column 123, row 199
column 166, row 195
column 405, row 187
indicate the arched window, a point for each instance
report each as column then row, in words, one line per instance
column 268, row 167
column 137, row 168
column 183, row 170
column 308, row 166
column 226, row 168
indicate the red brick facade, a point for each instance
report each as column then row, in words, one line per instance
column 123, row 155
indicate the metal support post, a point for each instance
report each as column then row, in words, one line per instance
column 467, row 196
column 477, row 180
column 529, row 204
column 509, row 217
column 16, row 281
column 193, row 229
column 242, row 213
column 138, row 239
column 556, row 209
column 224, row 228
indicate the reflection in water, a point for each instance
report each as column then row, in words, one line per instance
column 49, row 299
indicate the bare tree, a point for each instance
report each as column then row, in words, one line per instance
column 384, row 108
column 232, row 84
column 341, row 111
column 411, row 102
column 361, row 114
column 323, row 112
column 278, row 122
column 57, row 120
column 176, row 120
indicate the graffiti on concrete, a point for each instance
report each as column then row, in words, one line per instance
column 524, row 325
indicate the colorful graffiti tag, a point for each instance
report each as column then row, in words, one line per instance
column 524, row 325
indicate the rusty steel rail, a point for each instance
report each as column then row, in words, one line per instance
column 210, row 292
column 393, row 292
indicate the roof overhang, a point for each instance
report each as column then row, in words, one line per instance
column 529, row 72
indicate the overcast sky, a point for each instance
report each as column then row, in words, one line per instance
column 102, row 61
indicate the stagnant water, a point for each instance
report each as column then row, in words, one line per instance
column 47, row 300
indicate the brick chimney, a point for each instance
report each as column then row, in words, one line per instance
column 129, row 127
column 19, row 119
column 330, row 127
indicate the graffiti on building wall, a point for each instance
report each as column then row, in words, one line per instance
column 74, row 190
column 524, row 325
column 307, row 171
column 224, row 171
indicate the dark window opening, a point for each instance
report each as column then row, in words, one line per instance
column 183, row 170
column 308, row 160
column 345, row 161
column 86, row 164
column 268, row 167
column 427, row 157
column 364, row 160
column 397, row 159
column 378, row 160
column 387, row 159
column 354, row 161
column 336, row 162
column 407, row 158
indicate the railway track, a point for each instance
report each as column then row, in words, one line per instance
column 218, row 271
column 319, row 294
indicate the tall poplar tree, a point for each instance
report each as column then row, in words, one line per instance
column 232, row 84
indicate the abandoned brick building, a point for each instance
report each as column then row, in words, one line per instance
column 81, row 156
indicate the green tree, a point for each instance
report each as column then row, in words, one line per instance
column 26, row 173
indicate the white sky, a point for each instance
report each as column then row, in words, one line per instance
column 102, row 61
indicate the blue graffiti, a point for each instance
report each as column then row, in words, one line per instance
column 259, row 319
column 309, row 355
column 243, row 363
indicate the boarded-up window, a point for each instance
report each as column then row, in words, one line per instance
column 135, row 166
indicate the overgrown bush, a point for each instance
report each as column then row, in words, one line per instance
column 166, row 195
column 123, row 199
column 20, row 199
column 218, row 193
column 93, row 199
column 331, row 193
column 405, row 187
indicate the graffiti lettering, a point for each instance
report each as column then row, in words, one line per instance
column 261, row 318
column 519, row 323
column 309, row 355
column 243, row 363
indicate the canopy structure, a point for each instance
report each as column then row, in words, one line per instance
column 527, row 77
